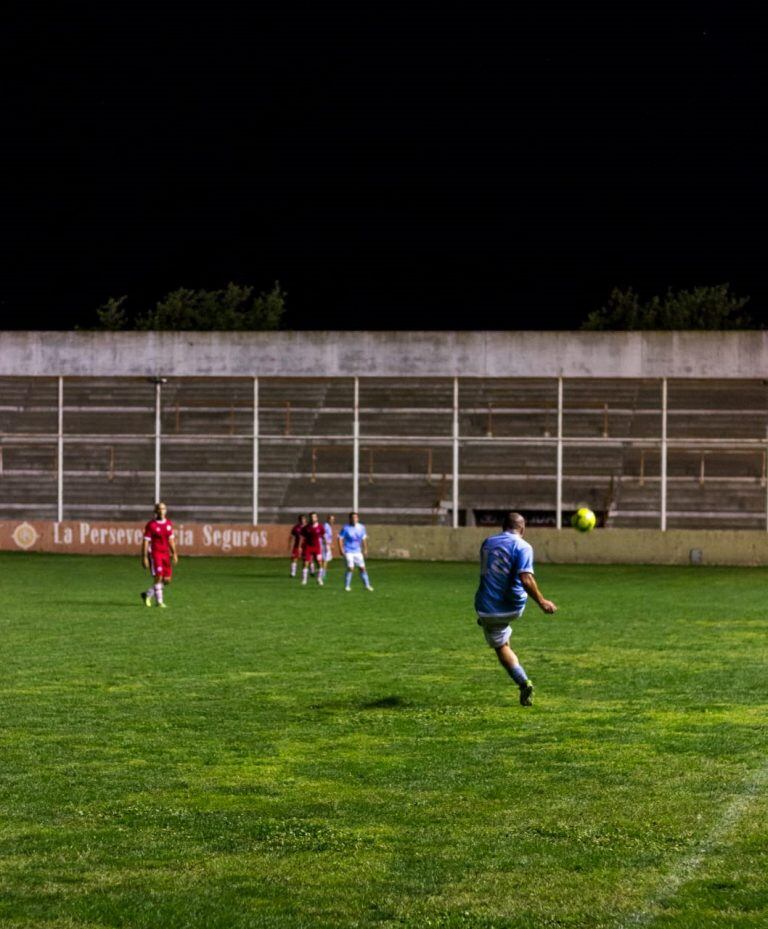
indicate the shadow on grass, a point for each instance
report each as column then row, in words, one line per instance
column 385, row 703
column 392, row 702
column 255, row 574
column 99, row 604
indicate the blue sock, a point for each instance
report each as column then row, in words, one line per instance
column 518, row 675
column 364, row 576
column 347, row 578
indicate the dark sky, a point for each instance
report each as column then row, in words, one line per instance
column 449, row 165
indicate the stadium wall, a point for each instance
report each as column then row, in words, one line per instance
column 418, row 543
column 385, row 354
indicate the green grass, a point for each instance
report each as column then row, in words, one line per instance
column 262, row 755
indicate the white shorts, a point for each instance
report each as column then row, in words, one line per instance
column 354, row 560
column 497, row 629
column 327, row 553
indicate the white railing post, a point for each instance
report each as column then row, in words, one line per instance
column 356, row 447
column 456, row 453
column 255, row 451
column 60, row 456
column 663, row 463
column 559, row 465
column 158, row 388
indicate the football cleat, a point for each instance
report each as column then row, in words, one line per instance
column 162, row 606
column 369, row 588
column 146, row 600
column 526, row 694
column 347, row 590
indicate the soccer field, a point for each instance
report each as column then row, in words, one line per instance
column 262, row 754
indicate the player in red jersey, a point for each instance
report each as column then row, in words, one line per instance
column 296, row 542
column 158, row 549
column 313, row 534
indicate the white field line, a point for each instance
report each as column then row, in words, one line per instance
column 686, row 870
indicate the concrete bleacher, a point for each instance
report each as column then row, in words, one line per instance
column 508, row 430
column 28, row 405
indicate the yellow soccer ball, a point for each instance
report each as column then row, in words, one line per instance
column 583, row 519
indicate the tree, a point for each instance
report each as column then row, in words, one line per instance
column 700, row 308
column 112, row 314
column 233, row 308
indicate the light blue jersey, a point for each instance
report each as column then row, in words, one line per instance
column 328, row 534
column 352, row 537
column 502, row 559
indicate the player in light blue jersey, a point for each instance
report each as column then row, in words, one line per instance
column 506, row 581
column 353, row 546
column 328, row 543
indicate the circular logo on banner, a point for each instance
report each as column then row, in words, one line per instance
column 25, row 535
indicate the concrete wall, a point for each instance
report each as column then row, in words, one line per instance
column 603, row 546
column 386, row 354
column 418, row 543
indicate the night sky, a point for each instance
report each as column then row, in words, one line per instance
column 449, row 165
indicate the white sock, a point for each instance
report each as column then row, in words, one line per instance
column 159, row 593
column 150, row 593
column 304, row 573
column 293, row 569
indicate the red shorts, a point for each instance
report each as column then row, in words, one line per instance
column 296, row 551
column 160, row 565
column 310, row 553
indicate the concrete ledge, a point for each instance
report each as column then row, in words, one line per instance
column 386, row 354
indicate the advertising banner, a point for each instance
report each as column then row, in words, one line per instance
column 85, row 537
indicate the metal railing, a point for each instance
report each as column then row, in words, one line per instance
column 452, row 440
